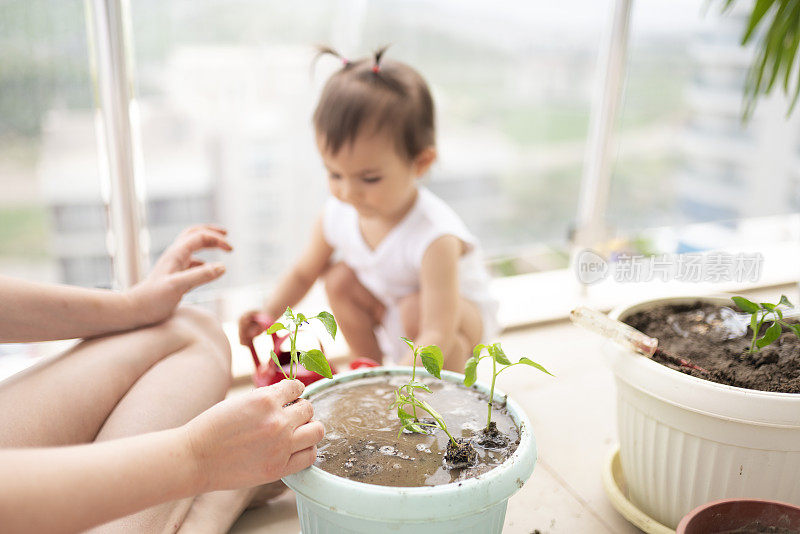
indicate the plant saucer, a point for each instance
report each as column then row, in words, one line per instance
column 616, row 490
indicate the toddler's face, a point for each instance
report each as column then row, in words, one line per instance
column 370, row 175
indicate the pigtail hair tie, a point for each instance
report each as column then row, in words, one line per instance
column 376, row 68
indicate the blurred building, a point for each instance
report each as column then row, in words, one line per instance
column 734, row 170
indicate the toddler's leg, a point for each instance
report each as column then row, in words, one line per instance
column 357, row 311
column 469, row 329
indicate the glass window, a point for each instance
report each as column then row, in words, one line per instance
column 226, row 98
column 684, row 155
column 52, row 217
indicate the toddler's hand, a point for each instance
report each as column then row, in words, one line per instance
column 177, row 272
column 254, row 438
column 251, row 324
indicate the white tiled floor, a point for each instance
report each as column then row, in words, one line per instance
column 574, row 421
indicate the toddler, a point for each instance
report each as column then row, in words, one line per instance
column 395, row 259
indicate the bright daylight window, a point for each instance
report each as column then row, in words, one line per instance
column 52, row 216
column 689, row 175
column 226, row 96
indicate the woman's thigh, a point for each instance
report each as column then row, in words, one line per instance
column 67, row 399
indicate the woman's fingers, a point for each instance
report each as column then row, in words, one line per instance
column 202, row 239
column 307, row 435
column 284, row 391
column 299, row 412
column 300, row 460
column 185, row 281
column 207, row 226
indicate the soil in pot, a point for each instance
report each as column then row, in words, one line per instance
column 775, row 367
column 758, row 528
column 362, row 443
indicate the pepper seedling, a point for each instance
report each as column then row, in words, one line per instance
column 432, row 360
column 495, row 352
column 314, row 360
column 460, row 452
column 761, row 313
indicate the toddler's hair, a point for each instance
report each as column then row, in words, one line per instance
column 378, row 94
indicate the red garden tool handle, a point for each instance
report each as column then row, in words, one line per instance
column 269, row 372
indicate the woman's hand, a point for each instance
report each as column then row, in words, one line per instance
column 254, row 438
column 177, row 272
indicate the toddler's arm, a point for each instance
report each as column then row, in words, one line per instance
column 241, row 442
column 293, row 285
column 439, row 296
column 41, row 312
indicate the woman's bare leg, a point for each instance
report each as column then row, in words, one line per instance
column 469, row 329
column 67, row 399
column 169, row 394
column 129, row 383
column 357, row 311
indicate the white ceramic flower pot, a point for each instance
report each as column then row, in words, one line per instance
column 685, row 441
column 328, row 504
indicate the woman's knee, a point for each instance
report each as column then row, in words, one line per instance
column 203, row 328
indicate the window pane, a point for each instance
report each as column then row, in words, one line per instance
column 52, row 218
column 226, row 99
column 685, row 157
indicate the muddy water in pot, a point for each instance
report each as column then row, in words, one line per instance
column 361, row 441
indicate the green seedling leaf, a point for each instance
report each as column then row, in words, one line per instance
column 428, row 408
column 404, row 415
column 408, row 342
column 330, row 323
column 314, row 360
column 772, row 333
column 476, row 352
column 275, row 358
column 745, row 305
column 496, row 351
column 419, row 385
column 785, row 301
column 471, row 371
column 532, row 363
column 432, row 359
column 768, row 306
column 754, row 323
column 274, row 328
column 413, row 427
column 794, row 328
column 289, row 314
column 301, row 318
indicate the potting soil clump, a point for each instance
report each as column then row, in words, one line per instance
column 361, row 434
column 686, row 331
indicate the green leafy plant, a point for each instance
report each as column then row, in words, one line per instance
column 764, row 312
column 778, row 24
column 314, row 360
column 499, row 358
column 432, row 360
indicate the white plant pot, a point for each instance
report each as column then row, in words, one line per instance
column 685, row 441
column 328, row 504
